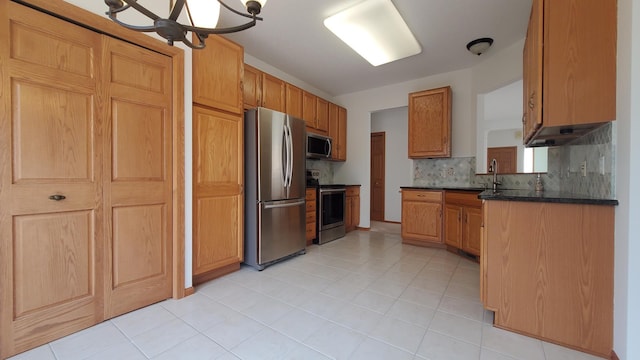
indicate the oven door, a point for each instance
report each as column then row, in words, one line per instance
column 332, row 208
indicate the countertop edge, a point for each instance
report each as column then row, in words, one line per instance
column 553, row 197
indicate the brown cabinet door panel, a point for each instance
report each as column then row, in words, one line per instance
column 51, row 223
column 472, row 227
column 138, row 185
column 453, row 226
column 430, row 123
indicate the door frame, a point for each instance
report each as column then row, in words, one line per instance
column 85, row 18
column 384, row 141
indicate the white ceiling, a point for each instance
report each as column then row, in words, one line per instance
column 293, row 39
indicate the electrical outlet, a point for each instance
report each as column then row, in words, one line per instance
column 450, row 172
column 583, row 168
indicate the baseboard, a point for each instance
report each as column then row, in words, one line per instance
column 202, row 278
column 392, row 222
column 614, row 356
column 189, row 291
column 362, row 228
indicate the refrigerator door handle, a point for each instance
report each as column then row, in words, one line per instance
column 290, row 157
column 283, row 204
column 285, row 156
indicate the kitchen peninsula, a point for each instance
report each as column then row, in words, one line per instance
column 546, row 266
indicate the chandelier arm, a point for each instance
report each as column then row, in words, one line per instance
column 177, row 9
column 132, row 27
column 250, row 16
column 199, row 46
column 228, row 30
column 134, row 4
column 115, row 11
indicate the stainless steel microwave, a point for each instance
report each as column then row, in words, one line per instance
column 318, row 146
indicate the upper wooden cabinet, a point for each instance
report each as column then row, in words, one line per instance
column 309, row 109
column 293, row 101
column 338, row 132
column 273, row 93
column 251, row 87
column 322, row 115
column 216, row 72
column 569, row 63
column 430, row 123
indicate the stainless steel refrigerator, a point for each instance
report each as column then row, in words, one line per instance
column 274, row 187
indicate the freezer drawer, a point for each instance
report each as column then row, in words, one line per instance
column 282, row 229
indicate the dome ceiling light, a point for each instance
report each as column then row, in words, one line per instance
column 479, row 46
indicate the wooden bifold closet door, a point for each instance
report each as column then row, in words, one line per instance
column 85, row 178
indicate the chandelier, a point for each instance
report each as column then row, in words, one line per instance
column 203, row 17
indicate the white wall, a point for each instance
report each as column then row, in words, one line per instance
column 627, row 132
column 398, row 167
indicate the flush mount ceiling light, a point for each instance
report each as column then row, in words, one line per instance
column 375, row 30
column 479, row 46
column 203, row 16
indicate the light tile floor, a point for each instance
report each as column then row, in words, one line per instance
column 366, row 296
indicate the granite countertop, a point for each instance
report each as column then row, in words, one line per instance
column 451, row 188
column 544, row 196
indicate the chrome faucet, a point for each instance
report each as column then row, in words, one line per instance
column 493, row 167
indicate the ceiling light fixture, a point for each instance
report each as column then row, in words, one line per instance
column 375, row 30
column 203, row 16
column 479, row 46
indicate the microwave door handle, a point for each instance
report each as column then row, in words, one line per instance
column 329, row 144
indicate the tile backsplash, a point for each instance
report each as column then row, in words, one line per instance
column 325, row 167
column 564, row 171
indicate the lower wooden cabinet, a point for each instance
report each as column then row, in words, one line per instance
column 352, row 208
column 422, row 217
column 311, row 215
column 547, row 271
column 463, row 221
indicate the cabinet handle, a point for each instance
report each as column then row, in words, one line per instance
column 57, row 197
column 421, row 195
column 531, row 104
column 524, row 118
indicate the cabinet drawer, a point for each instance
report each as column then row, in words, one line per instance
column 311, row 217
column 427, row 196
column 311, row 205
column 310, row 194
column 311, row 230
column 462, row 198
column 353, row 191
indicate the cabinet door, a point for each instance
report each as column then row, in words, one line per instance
column 355, row 212
column 338, row 132
column 138, row 182
column 273, row 93
column 251, row 87
column 430, row 123
column 217, row 75
column 322, row 115
column 342, row 134
column 218, row 183
column 453, row 225
column 532, row 72
column 421, row 221
column 472, row 227
column 348, row 216
column 51, row 248
column 293, row 101
column 309, row 109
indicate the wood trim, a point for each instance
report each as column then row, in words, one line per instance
column 189, row 291
column 614, row 356
column 363, row 228
column 202, row 278
column 102, row 25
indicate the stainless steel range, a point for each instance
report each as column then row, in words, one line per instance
column 330, row 210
